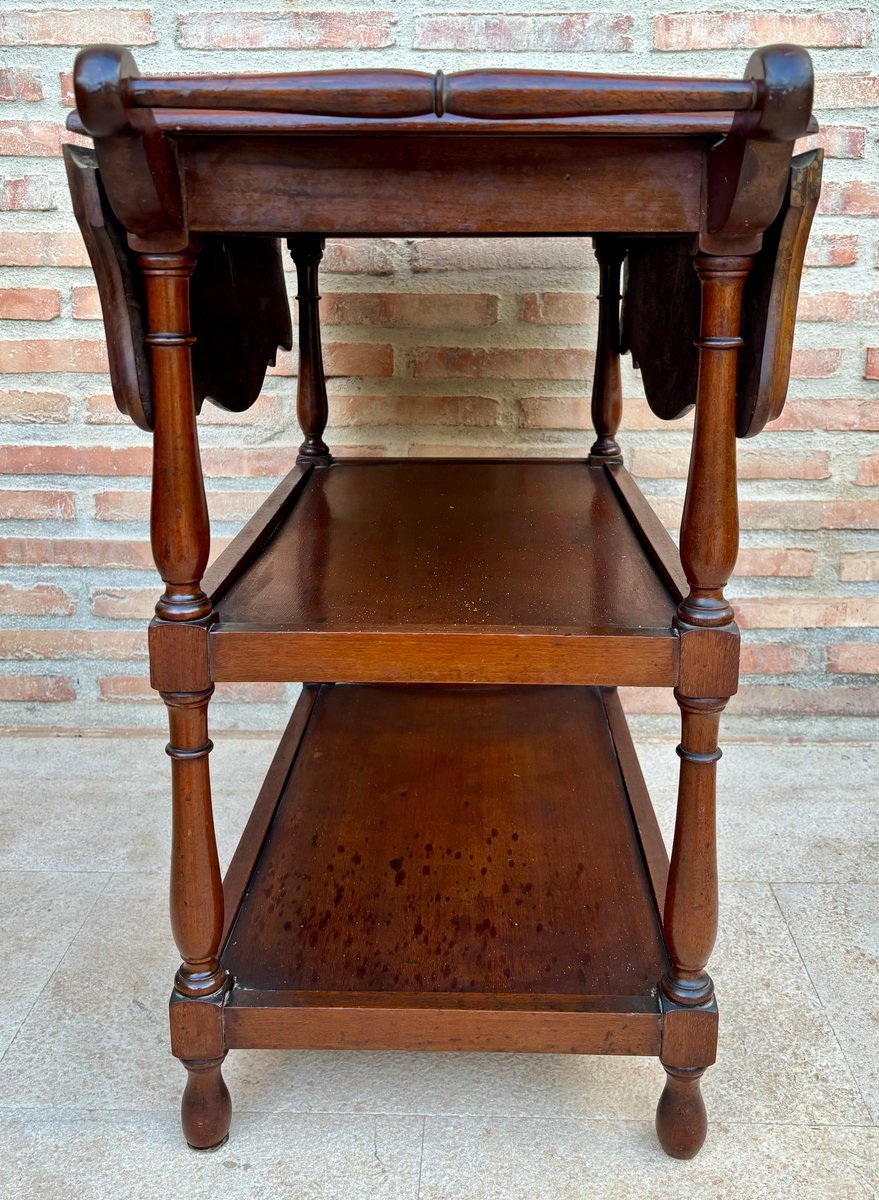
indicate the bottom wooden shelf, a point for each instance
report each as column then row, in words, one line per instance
column 442, row 868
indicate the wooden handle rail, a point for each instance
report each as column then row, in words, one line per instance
column 487, row 95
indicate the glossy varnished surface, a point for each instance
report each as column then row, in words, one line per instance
column 460, row 545
column 452, row 840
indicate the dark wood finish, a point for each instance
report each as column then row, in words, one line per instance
column 607, row 391
column 311, row 393
column 431, row 866
column 483, row 844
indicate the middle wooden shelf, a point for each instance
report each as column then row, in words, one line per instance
column 450, row 571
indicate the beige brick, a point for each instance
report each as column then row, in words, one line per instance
column 33, row 408
column 831, row 414
column 831, row 249
column 137, row 687
column 868, row 471
column 467, row 362
column 673, row 463
column 29, row 689
column 30, row 193
column 462, row 411
column 41, row 459
column 731, row 30
column 871, row 365
column 769, row 561
column 846, row 89
column 565, row 33
column 856, row 198
column 853, row 658
column 31, row 504
column 825, row 306
column 809, row 514
column 556, row 412
column 837, row 141
column 23, row 645
column 31, row 139
column 74, row 552
column 123, row 603
column 66, row 27
column 501, row 254
column 33, row 249
column 859, row 566
column 806, row 612
column 27, row 355
column 40, row 600
column 773, row 658
column 29, row 304
column 402, row 309
column 335, row 30
column 814, row 364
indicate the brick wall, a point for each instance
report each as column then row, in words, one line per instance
column 465, row 347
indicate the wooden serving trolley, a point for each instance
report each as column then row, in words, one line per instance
column 453, row 848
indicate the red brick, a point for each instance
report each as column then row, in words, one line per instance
column 29, row 304
column 557, row 308
column 33, row 408
column 673, row 463
column 26, row 355
column 831, row 414
column 74, row 552
column 859, row 566
column 768, row 561
column 563, row 33
column 853, row 658
column 86, row 306
column 43, row 689
column 31, row 139
column 336, row 30
column 809, row 514
column 849, row 89
column 40, row 459
column 75, row 643
column 557, row 412
column 868, row 471
column 65, row 27
column 123, row 603
column 837, row 141
column 806, row 612
column 357, row 256
column 30, row 193
column 257, row 461
column 856, row 198
column 469, row 362
column 832, row 249
column 42, row 250
column 502, row 254
column 401, row 309
column 345, row 359
column 871, row 365
column 41, row 600
column 773, row 658
column 463, row 411
column 725, row 30
column 824, row 306
column 30, row 505
column 65, row 82
column 814, row 364
column 20, row 83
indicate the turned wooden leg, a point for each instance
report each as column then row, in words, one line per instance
column 607, row 395
column 311, row 392
column 206, row 1108
column 681, row 1119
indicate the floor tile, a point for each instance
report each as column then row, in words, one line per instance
column 126, row 1156
column 39, row 917
column 836, row 929
column 784, row 812
column 497, row 1158
column 105, row 803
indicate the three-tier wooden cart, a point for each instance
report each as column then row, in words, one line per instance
column 454, row 847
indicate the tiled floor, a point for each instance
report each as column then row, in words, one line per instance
column 89, row 1092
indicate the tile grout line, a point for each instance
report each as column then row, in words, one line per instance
column 421, row 1157
column 867, row 1107
column 54, row 970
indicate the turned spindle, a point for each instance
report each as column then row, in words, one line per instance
column 311, row 392
column 607, row 394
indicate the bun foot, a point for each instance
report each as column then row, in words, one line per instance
column 206, row 1108
column 681, row 1120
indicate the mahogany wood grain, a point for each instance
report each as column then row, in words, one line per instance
column 350, row 186
column 459, row 545
column 607, row 392
column 311, row 388
column 512, row 655
column 484, row 842
column 653, row 535
column 247, row 852
column 652, row 846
